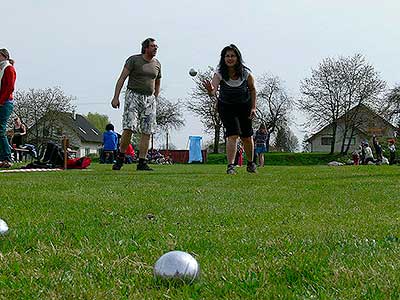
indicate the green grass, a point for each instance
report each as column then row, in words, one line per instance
column 285, row 233
column 287, row 158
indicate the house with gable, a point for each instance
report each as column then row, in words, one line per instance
column 367, row 123
column 82, row 135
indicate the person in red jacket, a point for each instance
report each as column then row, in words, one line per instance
column 7, row 85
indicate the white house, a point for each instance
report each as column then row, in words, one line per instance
column 368, row 123
column 83, row 136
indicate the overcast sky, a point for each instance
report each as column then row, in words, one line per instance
column 81, row 45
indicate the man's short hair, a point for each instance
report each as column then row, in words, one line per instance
column 146, row 44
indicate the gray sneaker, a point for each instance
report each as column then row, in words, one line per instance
column 231, row 170
column 251, row 167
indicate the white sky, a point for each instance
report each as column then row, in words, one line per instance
column 81, row 45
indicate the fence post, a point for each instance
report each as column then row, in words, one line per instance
column 65, row 144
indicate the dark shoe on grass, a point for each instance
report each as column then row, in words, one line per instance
column 251, row 167
column 143, row 167
column 119, row 162
column 230, row 170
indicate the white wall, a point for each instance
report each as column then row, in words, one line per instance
column 92, row 148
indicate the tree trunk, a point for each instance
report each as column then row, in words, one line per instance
column 217, row 132
column 343, row 141
column 166, row 145
column 267, row 142
column 333, row 138
column 348, row 144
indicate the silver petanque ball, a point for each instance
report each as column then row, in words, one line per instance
column 192, row 72
column 3, row 227
column 177, row 265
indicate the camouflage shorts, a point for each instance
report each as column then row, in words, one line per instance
column 139, row 113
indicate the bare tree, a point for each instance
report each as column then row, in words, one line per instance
column 273, row 103
column 285, row 140
column 305, row 145
column 44, row 105
column 335, row 89
column 169, row 115
column 205, row 107
column 391, row 108
column 321, row 93
column 363, row 87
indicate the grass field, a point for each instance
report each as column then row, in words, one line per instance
column 286, row 232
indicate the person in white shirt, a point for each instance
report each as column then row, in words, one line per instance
column 392, row 152
column 368, row 154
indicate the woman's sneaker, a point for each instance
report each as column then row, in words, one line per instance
column 231, row 169
column 251, row 167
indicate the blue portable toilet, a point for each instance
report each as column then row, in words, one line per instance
column 195, row 149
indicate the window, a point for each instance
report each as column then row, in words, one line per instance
column 87, row 151
column 326, row 140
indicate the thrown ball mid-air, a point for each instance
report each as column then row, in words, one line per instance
column 192, row 72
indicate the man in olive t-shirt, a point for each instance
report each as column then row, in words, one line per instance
column 144, row 72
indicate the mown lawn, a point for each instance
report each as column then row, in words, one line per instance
column 284, row 233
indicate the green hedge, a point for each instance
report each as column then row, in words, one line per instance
column 287, row 159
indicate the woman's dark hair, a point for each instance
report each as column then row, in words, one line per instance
column 6, row 55
column 146, row 44
column 110, row 127
column 239, row 67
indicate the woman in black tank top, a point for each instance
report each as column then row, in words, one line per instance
column 19, row 132
column 233, row 86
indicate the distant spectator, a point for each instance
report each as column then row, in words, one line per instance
column 239, row 154
column 260, row 141
column 378, row 149
column 19, row 130
column 129, row 154
column 110, row 144
column 392, row 152
column 368, row 154
column 356, row 156
column 362, row 152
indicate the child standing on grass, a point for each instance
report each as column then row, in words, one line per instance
column 356, row 156
column 239, row 154
column 261, row 140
